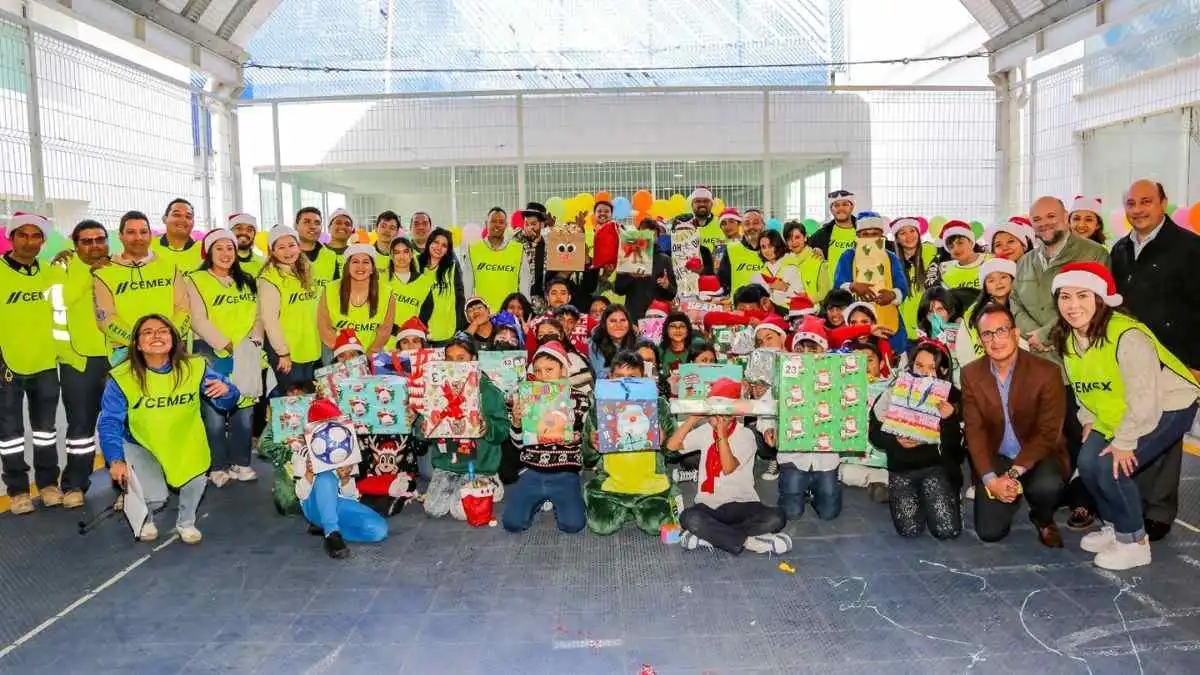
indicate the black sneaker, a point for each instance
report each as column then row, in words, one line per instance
column 1081, row 519
column 316, row 530
column 1156, row 529
column 879, row 493
column 336, row 547
column 772, row 470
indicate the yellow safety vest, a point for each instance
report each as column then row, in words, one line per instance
column 383, row 262
column 359, row 318
column 912, row 302
column 711, row 235
column 165, row 418
column 957, row 276
column 184, row 259
column 137, row 291
column 841, row 239
column 297, row 314
column 496, row 273
column 443, row 322
column 808, row 264
column 1096, row 376
column 325, row 268
column 252, row 265
column 411, row 295
column 75, row 329
column 26, row 322
column 233, row 312
column 744, row 263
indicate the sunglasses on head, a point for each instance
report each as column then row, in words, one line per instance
column 840, row 193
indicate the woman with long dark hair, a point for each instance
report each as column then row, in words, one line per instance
column 613, row 334
column 223, row 300
column 358, row 302
column 1136, row 400
column 406, row 283
column 150, row 427
column 677, row 337
column 287, row 304
column 1086, row 220
column 915, row 257
column 442, row 311
column 781, row 280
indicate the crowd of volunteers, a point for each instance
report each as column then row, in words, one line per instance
column 1070, row 367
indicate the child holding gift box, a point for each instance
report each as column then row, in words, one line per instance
column 551, row 472
column 629, row 486
column 923, row 492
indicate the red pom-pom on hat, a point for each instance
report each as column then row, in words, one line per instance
column 347, row 341
column 1091, row 276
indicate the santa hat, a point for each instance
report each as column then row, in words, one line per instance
column 730, row 214
column 475, row 299
column 213, row 236
column 869, row 220
column 725, row 387
column 1083, row 203
column 22, row 218
column 864, row 306
column 710, row 284
column 800, row 305
column 323, row 410
column 341, row 212
column 898, row 224
column 774, row 324
column 1026, row 227
column 279, row 232
column 734, row 318
column 841, row 196
column 701, row 192
column 355, row 249
column 1016, row 229
column 996, row 265
column 241, row 219
column 658, row 308
column 1091, row 276
column 812, row 329
column 554, row 350
column 347, row 341
column 414, row 327
column 956, row 228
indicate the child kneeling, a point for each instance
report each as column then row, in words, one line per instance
column 804, row 473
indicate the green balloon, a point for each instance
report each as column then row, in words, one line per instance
column 977, row 228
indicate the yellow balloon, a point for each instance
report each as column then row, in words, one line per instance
column 661, row 208
column 679, row 204
column 584, row 202
column 457, row 233
column 372, row 236
column 260, row 241
column 718, row 206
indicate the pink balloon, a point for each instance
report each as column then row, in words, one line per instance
column 157, row 232
column 197, row 235
column 324, row 238
column 1181, row 217
column 5, row 244
column 1117, row 222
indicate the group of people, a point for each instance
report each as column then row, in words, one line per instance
column 1074, row 379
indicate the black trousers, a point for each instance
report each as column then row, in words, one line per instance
column 41, row 389
column 1042, row 484
column 1159, row 484
column 727, row 526
column 81, row 394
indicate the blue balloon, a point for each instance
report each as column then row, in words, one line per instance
column 774, row 224
column 622, row 208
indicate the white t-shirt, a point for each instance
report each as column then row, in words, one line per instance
column 735, row 487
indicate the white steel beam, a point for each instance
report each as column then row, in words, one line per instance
column 1060, row 25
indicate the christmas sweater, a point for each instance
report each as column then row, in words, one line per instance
column 556, row 457
column 631, row 473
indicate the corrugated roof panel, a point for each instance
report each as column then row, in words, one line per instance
column 987, row 15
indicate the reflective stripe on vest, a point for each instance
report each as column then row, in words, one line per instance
column 232, row 311
column 1096, row 375
column 165, row 418
column 297, row 314
column 358, row 318
column 26, row 323
column 744, row 264
column 75, row 312
column 139, row 291
column 496, row 273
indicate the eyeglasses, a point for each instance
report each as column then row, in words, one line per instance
column 999, row 333
column 92, row 241
column 155, row 332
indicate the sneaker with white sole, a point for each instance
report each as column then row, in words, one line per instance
column 220, row 477
column 778, row 543
column 242, row 474
column 149, row 532
column 1100, row 540
column 772, row 470
column 1123, row 556
column 691, row 542
column 685, row 475
column 969, row 493
column 189, row 534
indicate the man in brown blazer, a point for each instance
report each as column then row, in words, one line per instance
column 1013, row 410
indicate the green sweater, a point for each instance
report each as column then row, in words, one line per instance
column 486, row 454
column 1032, row 301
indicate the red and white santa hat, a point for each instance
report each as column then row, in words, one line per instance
column 241, row 219
column 414, row 327
column 554, row 350
column 1013, row 227
column 346, row 341
column 800, row 305
column 730, row 214
column 323, row 410
column 701, row 192
column 812, row 329
column 725, row 387
column 1083, row 203
column 355, row 249
column 956, row 228
column 213, row 236
column 710, row 284
column 658, row 309
column 341, row 212
column 996, row 265
column 857, row 305
column 1091, row 276
column 23, row 218
column 898, row 224
column 774, row 324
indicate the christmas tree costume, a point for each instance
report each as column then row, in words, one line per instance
column 629, row 486
column 283, row 491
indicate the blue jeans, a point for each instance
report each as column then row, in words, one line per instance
column 356, row 522
column 795, row 484
column 228, row 434
column 525, row 498
column 1118, row 499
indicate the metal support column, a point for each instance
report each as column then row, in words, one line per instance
column 278, row 171
column 37, row 166
column 206, row 160
column 453, row 197
column 1031, row 142
column 768, row 206
column 1004, row 140
column 235, row 161
column 521, row 197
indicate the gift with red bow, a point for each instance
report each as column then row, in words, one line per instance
column 636, row 255
column 452, row 400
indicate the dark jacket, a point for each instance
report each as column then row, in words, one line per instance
column 926, row 455
column 820, row 239
column 1158, row 287
column 1037, row 406
column 640, row 291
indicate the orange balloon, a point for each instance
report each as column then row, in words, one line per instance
column 1194, row 217
column 603, row 197
column 642, row 200
column 361, row 236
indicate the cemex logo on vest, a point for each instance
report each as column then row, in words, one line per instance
column 1089, row 387
column 753, row 267
column 494, row 267
column 232, row 298
column 143, row 285
column 301, row 296
column 411, row 302
column 23, row 296
column 165, row 401
column 364, row 327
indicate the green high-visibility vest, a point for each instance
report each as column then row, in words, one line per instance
column 841, row 239
column 444, row 320
column 957, row 276
column 711, row 235
column 253, row 264
column 359, row 318
column 297, row 314
column 808, row 264
column 184, row 259
column 26, row 322
column 744, row 263
column 137, row 291
column 496, row 273
column 232, row 311
column 1096, row 375
column 912, row 302
column 410, row 295
column 73, row 300
column 325, row 268
column 165, row 418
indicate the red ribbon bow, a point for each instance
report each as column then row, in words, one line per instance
column 768, row 278
column 694, row 265
column 634, row 247
column 453, row 409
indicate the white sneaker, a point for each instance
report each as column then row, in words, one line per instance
column 189, row 535
column 691, row 542
column 547, row 506
column 1099, row 541
column 758, row 545
column 149, row 532
column 778, row 544
column 970, row 492
column 685, row 475
column 219, row 477
column 1122, row 556
column 243, row 474
column 772, row 470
